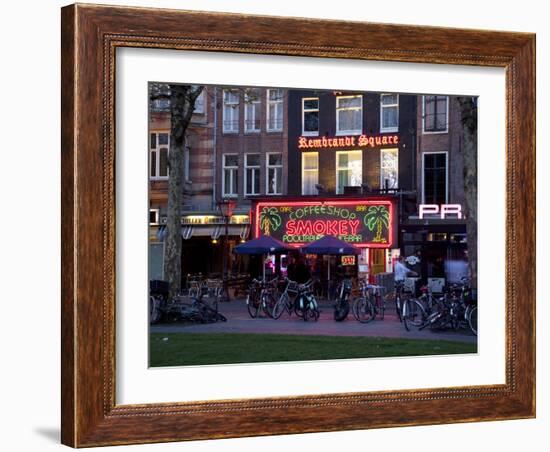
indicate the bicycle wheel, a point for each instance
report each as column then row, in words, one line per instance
column 362, row 310
column 253, row 305
column 399, row 308
column 279, row 307
column 413, row 314
column 472, row 320
column 341, row 310
column 380, row 306
column 311, row 314
column 268, row 303
column 299, row 305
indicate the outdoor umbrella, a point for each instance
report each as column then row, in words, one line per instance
column 331, row 246
column 262, row 245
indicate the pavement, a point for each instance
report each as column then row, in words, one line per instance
column 239, row 321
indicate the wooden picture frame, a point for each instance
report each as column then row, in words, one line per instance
column 90, row 36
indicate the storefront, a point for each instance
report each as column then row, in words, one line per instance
column 435, row 245
column 369, row 223
column 203, row 238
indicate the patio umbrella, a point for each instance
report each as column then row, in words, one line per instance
column 262, row 245
column 331, row 246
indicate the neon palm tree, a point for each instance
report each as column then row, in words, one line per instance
column 377, row 217
column 270, row 220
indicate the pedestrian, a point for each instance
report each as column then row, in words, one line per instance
column 401, row 271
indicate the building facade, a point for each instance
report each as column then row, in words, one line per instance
column 357, row 147
column 436, row 232
column 236, row 148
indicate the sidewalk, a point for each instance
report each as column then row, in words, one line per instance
column 239, row 321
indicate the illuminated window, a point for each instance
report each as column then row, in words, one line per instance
column 349, row 170
column 349, row 115
column 153, row 216
column 310, row 173
column 435, row 113
column 252, row 110
column 389, row 112
column 274, row 110
column 230, row 111
column 252, row 174
column 158, row 161
column 389, row 169
column 274, row 174
column 230, row 175
column 434, row 177
column 310, row 116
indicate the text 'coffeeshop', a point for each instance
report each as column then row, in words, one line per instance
column 367, row 223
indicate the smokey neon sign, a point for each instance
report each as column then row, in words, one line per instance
column 347, row 141
column 361, row 223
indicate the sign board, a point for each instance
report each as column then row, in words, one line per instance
column 359, row 222
column 348, row 260
column 361, row 141
column 439, row 211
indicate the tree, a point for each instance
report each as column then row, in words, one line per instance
column 468, row 117
column 182, row 103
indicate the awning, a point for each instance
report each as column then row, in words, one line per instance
column 214, row 232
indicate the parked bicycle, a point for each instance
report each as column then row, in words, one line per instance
column 456, row 309
column 342, row 305
column 286, row 300
column 261, row 297
column 182, row 308
column 305, row 304
column 369, row 304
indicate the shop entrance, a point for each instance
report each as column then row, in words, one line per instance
column 377, row 262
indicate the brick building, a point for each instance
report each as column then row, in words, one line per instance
column 439, row 240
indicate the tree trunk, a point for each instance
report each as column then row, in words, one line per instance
column 182, row 104
column 468, row 113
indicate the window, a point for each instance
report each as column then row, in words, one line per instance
column 252, row 174
column 389, row 169
column 274, row 174
column 158, row 162
column 435, row 113
column 199, row 103
column 349, row 170
column 434, row 178
column 310, row 116
column 389, row 112
column 252, row 110
column 230, row 175
column 230, row 111
column 274, row 110
column 349, row 115
column 153, row 216
column 310, row 173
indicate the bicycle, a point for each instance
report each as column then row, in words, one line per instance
column 369, row 304
column 305, row 304
column 260, row 298
column 342, row 306
column 286, row 299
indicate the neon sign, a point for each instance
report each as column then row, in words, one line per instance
column 442, row 211
column 347, row 141
column 359, row 222
column 348, row 260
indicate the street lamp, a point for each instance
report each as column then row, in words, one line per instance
column 226, row 208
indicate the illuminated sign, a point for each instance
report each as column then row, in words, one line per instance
column 359, row 222
column 347, row 141
column 443, row 211
column 348, row 260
